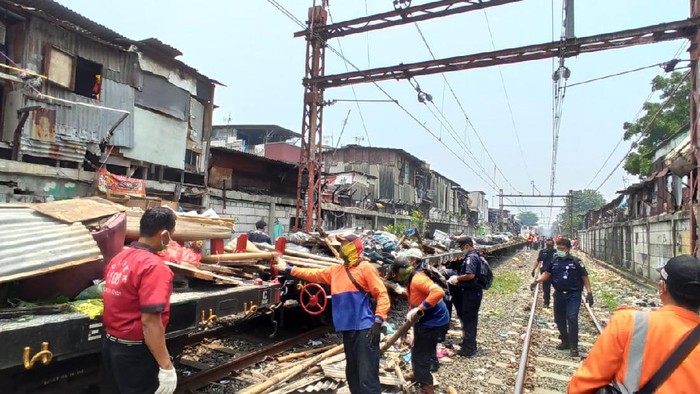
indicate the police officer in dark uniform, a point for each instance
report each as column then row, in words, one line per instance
column 544, row 260
column 468, row 294
column 569, row 276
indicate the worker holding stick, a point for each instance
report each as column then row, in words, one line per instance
column 352, row 285
column 426, row 300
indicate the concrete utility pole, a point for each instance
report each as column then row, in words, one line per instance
column 315, row 82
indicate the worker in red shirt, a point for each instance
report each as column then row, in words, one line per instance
column 352, row 284
column 137, row 292
column 635, row 344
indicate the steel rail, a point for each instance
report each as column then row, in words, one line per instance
column 522, row 369
column 206, row 377
column 524, row 356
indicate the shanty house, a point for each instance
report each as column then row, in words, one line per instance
column 78, row 97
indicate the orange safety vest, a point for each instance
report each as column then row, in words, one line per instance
column 633, row 347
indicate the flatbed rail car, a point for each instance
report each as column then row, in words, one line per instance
column 489, row 250
column 60, row 353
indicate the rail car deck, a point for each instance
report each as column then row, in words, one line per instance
column 74, row 336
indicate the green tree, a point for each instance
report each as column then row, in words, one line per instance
column 658, row 124
column 583, row 201
column 528, row 218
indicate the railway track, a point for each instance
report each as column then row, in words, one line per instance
column 543, row 369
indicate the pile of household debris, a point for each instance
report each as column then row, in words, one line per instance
column 56, row 250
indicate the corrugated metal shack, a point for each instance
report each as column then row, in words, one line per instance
column 89, row 96
column 404, row 183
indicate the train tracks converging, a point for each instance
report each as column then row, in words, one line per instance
column 543, row 369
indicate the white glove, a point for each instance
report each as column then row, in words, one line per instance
column 400, row 290
column 453, row 280
column 411, row 315
column 167, row 381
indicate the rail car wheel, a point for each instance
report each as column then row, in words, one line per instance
column 313, row 299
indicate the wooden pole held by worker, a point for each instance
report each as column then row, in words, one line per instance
column 401, row 331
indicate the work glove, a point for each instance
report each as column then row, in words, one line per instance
column 533, row 285
column 400, row 290
column 167, row 381
column 453, row 280
column 374, row 334
column 413, row 314
column 589, row 299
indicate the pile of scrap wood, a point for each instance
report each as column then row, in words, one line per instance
column 324, row 368
column 188, row 227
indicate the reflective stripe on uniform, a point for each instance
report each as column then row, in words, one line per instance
column 636, row 353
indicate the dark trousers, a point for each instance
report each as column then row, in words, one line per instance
column 361, row 363
column 546, row 291
column 566, row 308
column 128, row 369
column 468, row 302
column 425, row 340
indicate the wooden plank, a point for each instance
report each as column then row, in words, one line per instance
column 78, row 209
column 187, row 228
column 223, row 349
column 204, row 275
column 339, row 373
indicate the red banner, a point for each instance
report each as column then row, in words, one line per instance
column 108, row 182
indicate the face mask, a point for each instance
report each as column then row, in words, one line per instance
column 550, row 246
column 166, row 234
column 561, row 253
column 404, row 274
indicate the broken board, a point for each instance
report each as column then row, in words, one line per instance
column 79, row 209
column 204, row 275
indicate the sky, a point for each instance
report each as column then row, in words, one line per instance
column 249, row 47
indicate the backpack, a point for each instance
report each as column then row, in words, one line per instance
column 437, row 278
column 485, row 276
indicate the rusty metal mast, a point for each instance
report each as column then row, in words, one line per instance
column 309, row 203
column 318, row 32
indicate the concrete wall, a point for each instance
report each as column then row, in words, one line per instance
column 639, row 246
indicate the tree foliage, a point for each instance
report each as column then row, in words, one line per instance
column 584, row 201
column 528, row 218
column 657, row 124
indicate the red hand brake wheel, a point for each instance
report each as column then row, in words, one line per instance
column 313, row 299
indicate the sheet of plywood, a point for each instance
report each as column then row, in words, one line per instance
column 79, row 209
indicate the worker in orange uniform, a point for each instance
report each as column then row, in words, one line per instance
column 426, row 300
column 635, row 344
column 351, row 286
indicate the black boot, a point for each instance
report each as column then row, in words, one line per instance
column 564, row 346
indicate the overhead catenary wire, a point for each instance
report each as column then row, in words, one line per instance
column 619, row 142
column 648, row 126
column 464, row 112
column 291, row 16
column 636, row 117
column 354, row 93
column 617, row 74
column 510, row 108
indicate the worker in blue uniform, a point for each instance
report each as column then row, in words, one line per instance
column 569, row 276
column 468, row 295
column 544, row 260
